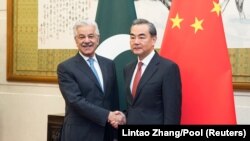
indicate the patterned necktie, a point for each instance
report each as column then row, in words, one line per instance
column 136, row 79
column 91, row 64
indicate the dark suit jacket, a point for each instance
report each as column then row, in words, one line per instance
column 158, row 96
column 87, row 106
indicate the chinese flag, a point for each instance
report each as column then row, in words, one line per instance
column 194, row 39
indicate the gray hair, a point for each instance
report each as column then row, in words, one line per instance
column 152, row 29
column 84, row 23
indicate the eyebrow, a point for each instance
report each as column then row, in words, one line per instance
column 142, row 34
column 86, row 35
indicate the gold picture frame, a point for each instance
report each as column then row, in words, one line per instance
column 240, row 61
column 26, row 63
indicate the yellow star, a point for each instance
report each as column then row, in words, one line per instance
column 216, row 8
column 176, row 21
column 197, row 24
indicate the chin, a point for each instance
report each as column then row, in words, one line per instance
column 136, row 52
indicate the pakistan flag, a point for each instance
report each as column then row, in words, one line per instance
column 114, row 18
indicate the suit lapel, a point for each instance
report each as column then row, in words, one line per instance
column 84, row 67
column 104, row 72
column 148, row 73
column 131, row 70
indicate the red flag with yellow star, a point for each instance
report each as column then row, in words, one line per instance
column 194, row 39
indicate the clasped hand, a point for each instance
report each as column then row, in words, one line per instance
column 116, row 118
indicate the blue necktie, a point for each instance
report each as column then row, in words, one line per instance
column 91, row 64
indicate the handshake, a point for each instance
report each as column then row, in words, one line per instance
column 116, row 118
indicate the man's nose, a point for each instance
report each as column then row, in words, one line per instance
column 137, row 40
column 87, row 39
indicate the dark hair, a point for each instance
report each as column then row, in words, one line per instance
column 152, row 29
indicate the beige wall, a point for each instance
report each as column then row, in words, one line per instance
column 24, row 106
column 242, row 105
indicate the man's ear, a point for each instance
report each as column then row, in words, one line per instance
column 154, row 40
column 98, row 39
column 75, row 39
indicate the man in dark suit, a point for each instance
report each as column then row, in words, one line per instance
column 87, row 82
column 153, row 84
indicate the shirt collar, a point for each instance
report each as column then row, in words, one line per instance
column 86, row 57
column 147, row 59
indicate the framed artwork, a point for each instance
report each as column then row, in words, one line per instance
column 236, row 19
column 26, row 62
column 240, row 61
column 30, row 60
